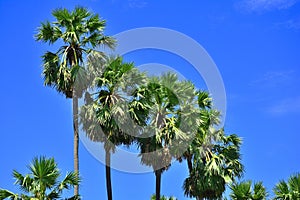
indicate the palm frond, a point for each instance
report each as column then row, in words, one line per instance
column 48, row 33
column 6, row 194
column 70, row 180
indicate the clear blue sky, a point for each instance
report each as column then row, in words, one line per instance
column 255, row 44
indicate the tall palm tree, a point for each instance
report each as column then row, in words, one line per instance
column 103, row 115
column 288, row 190
column 164, row 127
column 80, row 31
column 213, row 158
column 42, row 182
column 245, row 191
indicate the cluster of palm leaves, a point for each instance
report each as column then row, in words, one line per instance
column 284, row 190
column 288, row 190
column 42, row 182
column 245, row 191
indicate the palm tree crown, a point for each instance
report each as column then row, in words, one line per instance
column 245, row 191
column 80, row 31
column 42, row 182
column 288, row 190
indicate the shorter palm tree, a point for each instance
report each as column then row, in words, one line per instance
column 164, row 122
column 245, row 191
column 104, row 116
column 288, row 190
column 42, row 182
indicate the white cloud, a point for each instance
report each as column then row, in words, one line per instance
column 274, row 79
column 265, row 5
column 130, row 3
column 289, row 24
column 137, row 3
column 286, row 106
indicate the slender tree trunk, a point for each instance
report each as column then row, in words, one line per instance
column 76, row 140
column 189, row 163
column 157, row 184
column 108, row 175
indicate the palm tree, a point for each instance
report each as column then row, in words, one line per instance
column 245, row 191
column 80, row 31
column 103, row 117
column 213, row 158
column 163, row 126
column 288, row 190
column 42, row 182
column 207, row 118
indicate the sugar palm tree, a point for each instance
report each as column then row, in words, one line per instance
column 42, row 182
column 245, row 191
column 164, row 127
column 80, row 31
column 103, row 115
column 213, row 158
column 288, row 190
column 207, row 117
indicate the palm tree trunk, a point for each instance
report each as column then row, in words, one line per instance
column 108, row 175
column 189, row 163
column 76, row 140
column 157, row 184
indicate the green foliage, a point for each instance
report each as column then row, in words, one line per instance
column 168, row 114
column 213, row 158
column 81, row 31
column 42, row 182
column 105, row 113
column 289, row 190
column 245, row 191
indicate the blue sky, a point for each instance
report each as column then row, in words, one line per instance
column 254, row 43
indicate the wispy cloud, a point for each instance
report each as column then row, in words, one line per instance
column 293, row 24
column 130, row 4
column 285, row 106
column 264, row 5
column 274, row 79
column 137, row 3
